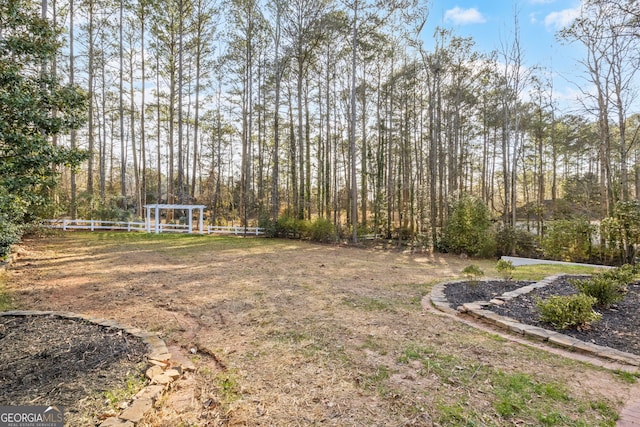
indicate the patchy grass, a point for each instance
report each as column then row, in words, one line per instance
column 628, row 377
column 291, row 333
column 6, row 299
column 133, row 384
column 540, row 271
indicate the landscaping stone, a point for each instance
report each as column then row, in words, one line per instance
column 137, row 410
column 116, row 422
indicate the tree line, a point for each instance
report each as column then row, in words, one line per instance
column 335, row 109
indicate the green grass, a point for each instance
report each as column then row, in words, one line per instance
column 6, row 300
column 228, row 386
column 133, row 384
column 514, row 396
column 457, row 414
column 376, row 380
column 628, row 377
column 540, row 271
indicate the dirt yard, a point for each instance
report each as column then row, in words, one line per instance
column 288, row 333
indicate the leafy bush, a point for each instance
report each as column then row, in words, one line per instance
column 568, row 240
column 607, row 287
column 322, row 230
column 269, row 226
column 468, row 228
column 627, row 216
column 605, row 290
column 13, row 210
column 10, row 233
column 624, row 274
column 505, row 268
column 564, row 311
column 473, row 272
column 512, row 240
column 288, row 226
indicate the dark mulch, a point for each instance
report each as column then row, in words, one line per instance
column 460, row 293
column 619, row 327
column 49, row 360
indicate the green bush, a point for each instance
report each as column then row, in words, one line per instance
column 627, row 219
column 564, row 311
column 624, row 274
column 269, row 226
column 473, row 272
column 512, row 240
column 322, row 230
column 468, row 228
column 568, row 240
column 607, row 287
column 605, row 290
column 10, row 233
column 288, row 226
column 505, row 268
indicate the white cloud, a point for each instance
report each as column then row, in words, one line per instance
column 533, row 18
column 561, row 19
column 461, row 16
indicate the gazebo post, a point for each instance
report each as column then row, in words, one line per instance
column 157, row 219
column 158, row 226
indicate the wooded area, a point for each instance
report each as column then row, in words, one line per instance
column 336, row 110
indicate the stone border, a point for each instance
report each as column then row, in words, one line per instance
column 477, row 311
column 161, row 369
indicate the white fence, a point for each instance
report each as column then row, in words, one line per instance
column 95, row 224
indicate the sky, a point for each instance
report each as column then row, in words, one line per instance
column 491, row 24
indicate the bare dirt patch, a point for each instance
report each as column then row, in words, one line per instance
column 291, row 333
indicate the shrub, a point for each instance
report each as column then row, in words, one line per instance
column 288, row 226
column 13, row 211
column 473, row 272
column 512, row 240
column 505, row 268
column 624, row 274
column 605, row 290
column 627, row 215
column 322, row 230
column 10, row 233
column 564, row 311
column 608, row 287
column 568, row 240
column 269, row 226
column 468, row 228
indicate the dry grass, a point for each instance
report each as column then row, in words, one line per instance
column 289, row 333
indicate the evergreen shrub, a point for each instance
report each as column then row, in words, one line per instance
column 564, row 311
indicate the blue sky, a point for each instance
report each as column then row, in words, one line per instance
column 491, row 24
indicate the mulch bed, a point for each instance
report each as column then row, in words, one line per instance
column 619, row 327
column 50, row 360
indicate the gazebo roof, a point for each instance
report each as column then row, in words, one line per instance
column 168, row 206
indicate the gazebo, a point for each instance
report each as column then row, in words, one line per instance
column 157, row 207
